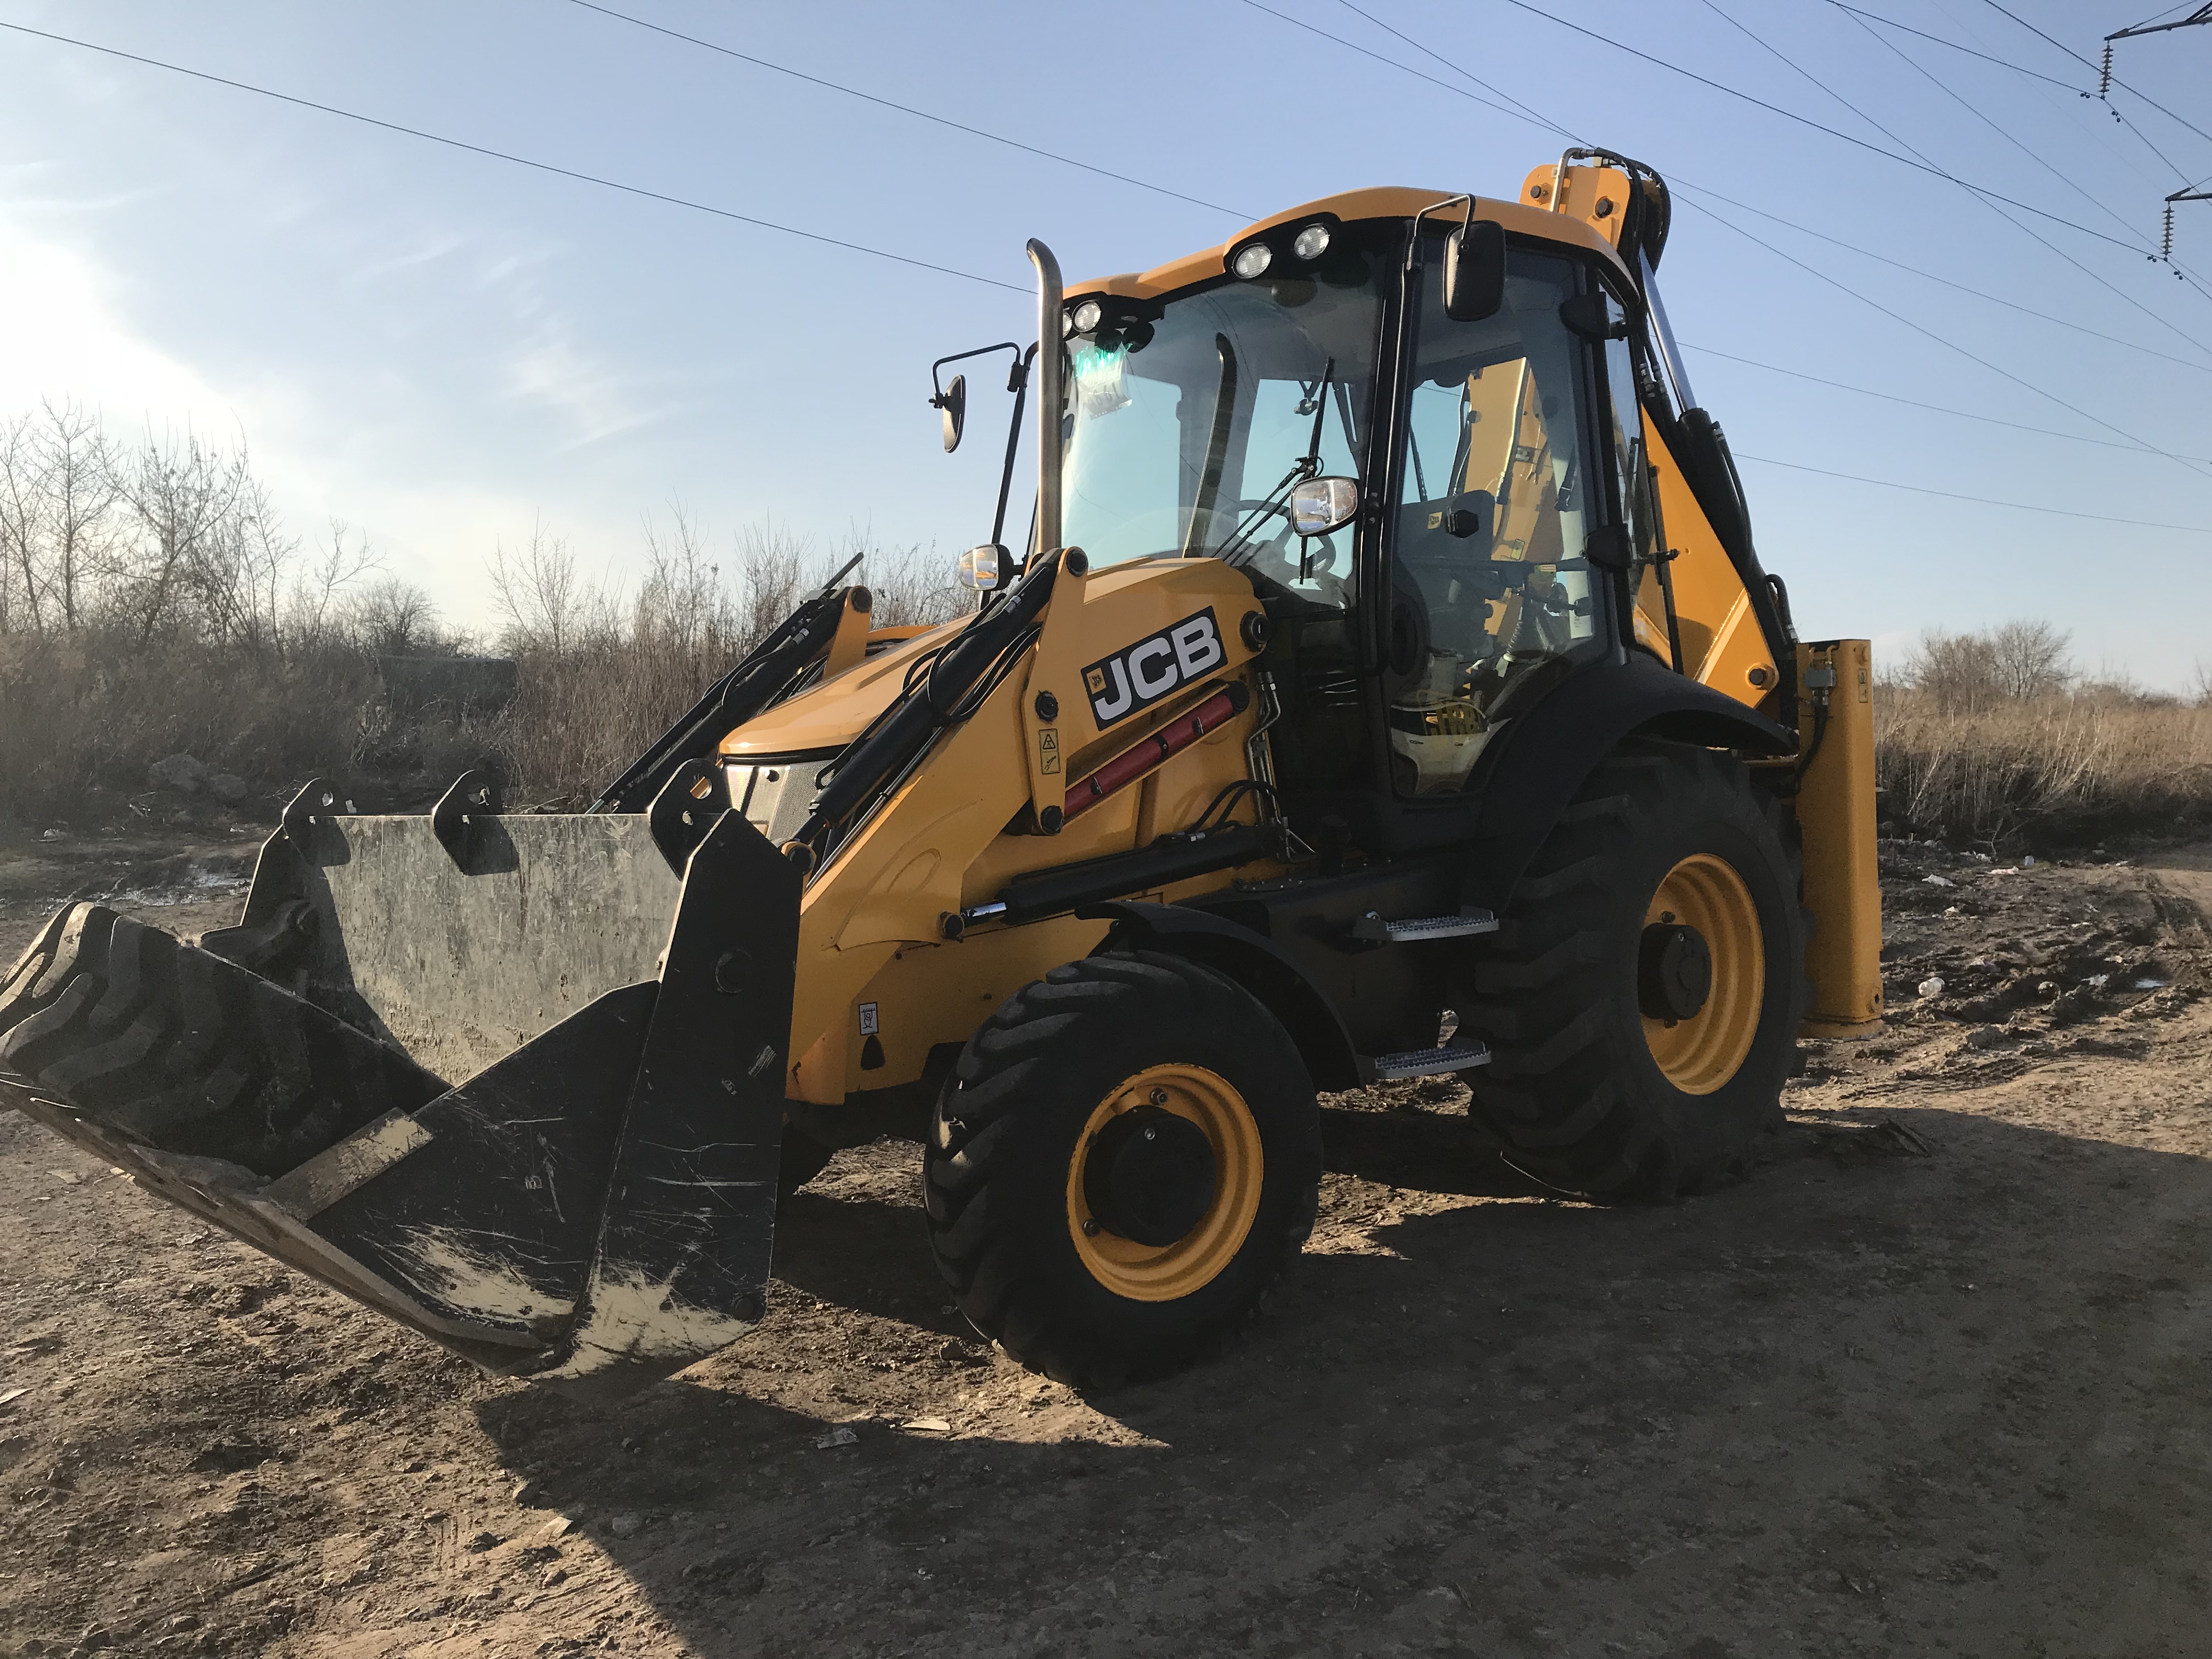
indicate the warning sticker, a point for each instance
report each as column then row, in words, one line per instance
column 1048, row 749
column 867, row 1019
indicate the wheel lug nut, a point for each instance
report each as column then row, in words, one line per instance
column 1090, row 1229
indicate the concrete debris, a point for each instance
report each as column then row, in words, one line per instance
column 837, row 1436
column 1932, row 986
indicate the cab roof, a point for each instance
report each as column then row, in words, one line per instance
column 1381, row 202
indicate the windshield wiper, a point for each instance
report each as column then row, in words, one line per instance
column 1307, row 465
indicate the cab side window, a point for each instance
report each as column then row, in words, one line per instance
column 1488, row 577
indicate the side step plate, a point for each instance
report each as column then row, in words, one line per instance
column 1376, row 928
column 1424, row 1062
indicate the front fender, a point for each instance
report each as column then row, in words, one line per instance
column 1257, row 964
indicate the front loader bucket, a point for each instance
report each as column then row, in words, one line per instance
column 592, row 1205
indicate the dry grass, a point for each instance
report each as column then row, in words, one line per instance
column 2060, row 771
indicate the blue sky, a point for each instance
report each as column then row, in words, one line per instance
column 443, row 348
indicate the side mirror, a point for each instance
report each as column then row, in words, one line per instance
column 984, row 567
column 1474, row 272
column 952, row 404
column 1321, row 505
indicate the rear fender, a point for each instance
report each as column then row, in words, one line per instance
column 1549, row 751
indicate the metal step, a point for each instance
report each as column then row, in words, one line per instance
column 1373, row 926
column 1426, row 1062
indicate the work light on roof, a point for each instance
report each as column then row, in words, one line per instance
column 1252, row 260
column 1087, row 317
column 1312, row 243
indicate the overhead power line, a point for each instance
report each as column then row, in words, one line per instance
column 906, row 109
column 1980, row 501
column 856, row 247
column 2001, row 62
column 1934, row 409
column 514, row 160
column 1721, row 87
column 1537, row 118
column 2091, row 68
column 1832, row 281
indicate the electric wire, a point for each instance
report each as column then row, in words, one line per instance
column 1820, row 126
column 1845, row 287
column 905, row 109
column 1713, row 6
column 1934, row 409
column 2186, row 274
column 2093, row 68
column 1679, row 183
column 517, row 161
column 2001, row 62
column 675, row 201
column 1866, row 300
column 1982, row 500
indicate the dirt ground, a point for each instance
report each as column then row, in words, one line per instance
column 1932, row 1380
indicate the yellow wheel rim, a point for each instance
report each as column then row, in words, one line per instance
column 1144, row 1273
column 1700, row 1054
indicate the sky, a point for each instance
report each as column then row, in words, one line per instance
column 445, row 350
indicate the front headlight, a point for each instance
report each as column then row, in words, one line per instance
column 983, row 568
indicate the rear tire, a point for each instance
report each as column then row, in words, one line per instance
column 1124, row 1160
column 190, row 1052
column 1593, row 1094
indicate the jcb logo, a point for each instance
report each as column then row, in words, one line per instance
column 1142, row 674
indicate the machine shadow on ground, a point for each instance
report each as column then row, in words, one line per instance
column 1869, row 1401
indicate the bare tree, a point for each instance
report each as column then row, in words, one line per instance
column 2031, row 660
column 393, row 618
column 180, row 496
column 548, row 605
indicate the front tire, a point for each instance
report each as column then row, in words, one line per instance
column 1124, row 1160
column 1643, row 999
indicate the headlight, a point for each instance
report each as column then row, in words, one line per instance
column 1253, row 261
column 982, row 568
column 1312, row 242
column 1087, row 316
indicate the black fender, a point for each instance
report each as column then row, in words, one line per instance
column 1546, row 754
column 1259, row 966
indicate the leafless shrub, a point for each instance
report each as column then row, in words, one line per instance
column 2054, row 771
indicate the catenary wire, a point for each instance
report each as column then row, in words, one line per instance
column 1845, row 287
column 1936, row 409
column 2001, row 62
column 518, row 161
column 2093, row 68
column 904, row 109
column 2186, row 274
column 1983, row 500
column 1680, row 183
column 1820, row 126
column 2097, row 277
column 675, row 201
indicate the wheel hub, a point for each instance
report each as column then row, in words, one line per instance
column 1674, row 971
column 1149, row 1176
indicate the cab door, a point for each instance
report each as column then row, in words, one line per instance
column 1492, row 593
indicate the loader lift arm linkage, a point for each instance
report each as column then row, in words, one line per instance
column 1388, row 688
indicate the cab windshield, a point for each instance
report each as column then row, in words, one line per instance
column 1186, row 429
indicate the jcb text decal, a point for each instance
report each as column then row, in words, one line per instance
column 1141, row 674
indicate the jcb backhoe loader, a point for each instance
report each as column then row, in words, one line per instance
column 1388, row 687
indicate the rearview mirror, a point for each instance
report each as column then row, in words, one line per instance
column 1474, row 272
column 1321, row 505
column 952, row 404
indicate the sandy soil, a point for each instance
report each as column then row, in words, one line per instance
column 1931, row 1381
